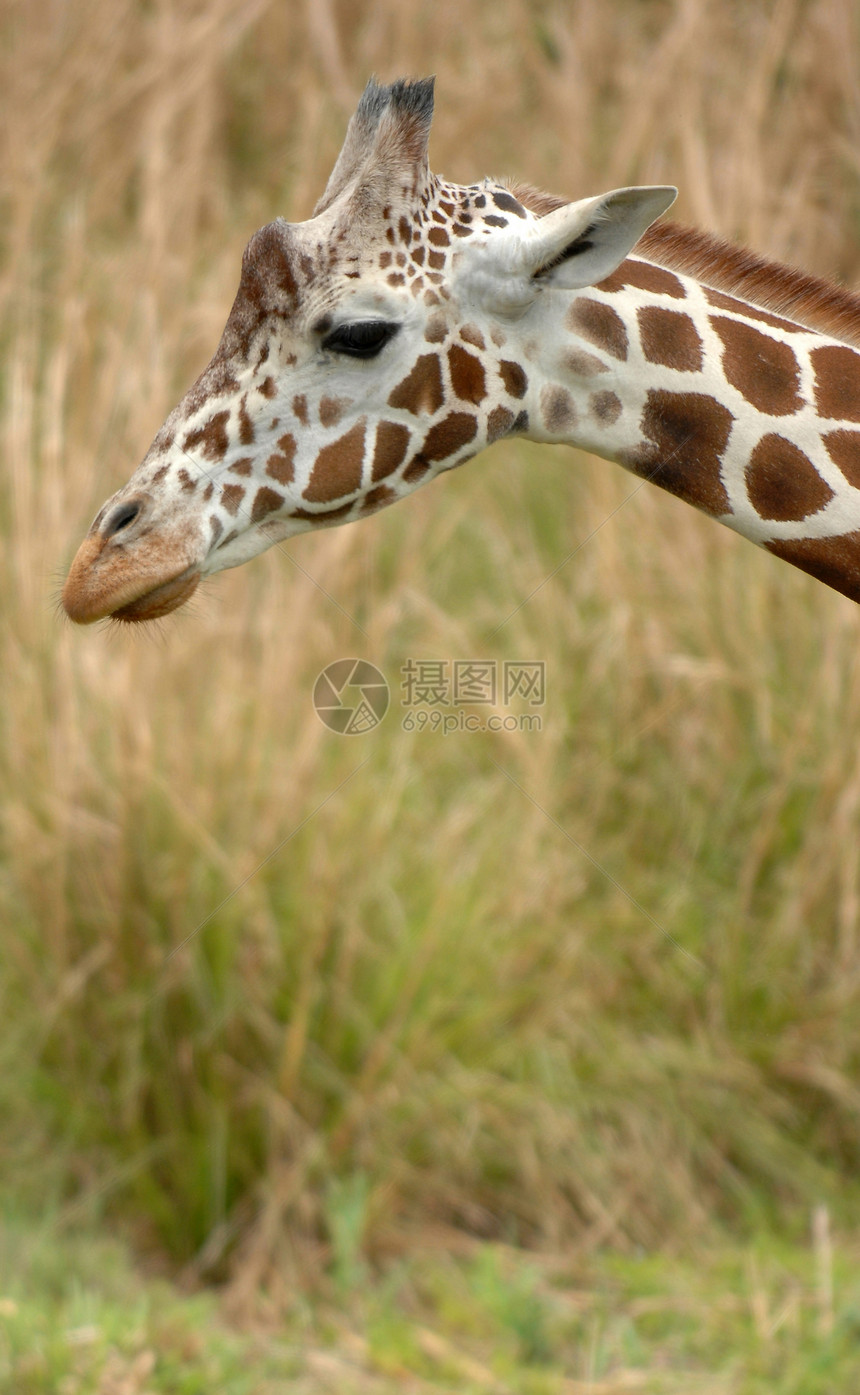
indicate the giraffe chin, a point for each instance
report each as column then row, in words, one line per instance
column 165, row 598
column 84, row 603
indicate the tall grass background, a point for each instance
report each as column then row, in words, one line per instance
column 271, row 996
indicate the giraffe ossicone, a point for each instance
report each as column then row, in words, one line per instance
column 411, row 322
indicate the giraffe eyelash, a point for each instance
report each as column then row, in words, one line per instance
column 364, row 339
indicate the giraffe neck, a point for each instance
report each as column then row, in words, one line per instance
column 747, row 415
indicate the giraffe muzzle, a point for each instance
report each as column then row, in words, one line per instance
column 125, row 570
column 93, row 592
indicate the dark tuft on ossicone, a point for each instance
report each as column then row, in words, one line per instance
column 412, row 98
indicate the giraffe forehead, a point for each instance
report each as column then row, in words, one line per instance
column 278, row 265
column 295, row 274
column 293, row 277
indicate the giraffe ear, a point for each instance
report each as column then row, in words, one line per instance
column 386, row 139
column 575, row 245
column 581, row 243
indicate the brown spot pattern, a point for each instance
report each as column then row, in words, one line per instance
column 435, row 329
column 605, row 406
column 231, row 497
column 837, row 382
column 266, row 501
column 557, row 409
column 472, row 335
column 421, row 389
column 377, row 497
column 645, row 276
column 762, row 369
column 211, row 440
column 782, row 483
column 416, row 470
column 687, row 434
column 843, row 447
column 835, row 561
column 513, row 377
column 267, row 387
column 506, row 201
column 300, row 408
column 669, row 337
column 332, row 409
column 243, row 466
column 499, row 423
column 392, row 440
column 322, row 514
column 449, row 435
column 246, row 426
column 600, row 325
column 280, row 465
column 467, row 375
column 582, row 364
column 337, row 468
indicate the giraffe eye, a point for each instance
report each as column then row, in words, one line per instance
column 361, row 340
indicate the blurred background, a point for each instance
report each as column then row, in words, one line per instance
column 276, row 1002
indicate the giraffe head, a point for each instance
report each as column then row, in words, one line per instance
column 367, row 350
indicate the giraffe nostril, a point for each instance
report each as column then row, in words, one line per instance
column 122, row 516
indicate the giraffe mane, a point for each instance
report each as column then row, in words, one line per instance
column 809, row 300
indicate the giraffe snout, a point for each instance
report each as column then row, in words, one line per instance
column 128, row 568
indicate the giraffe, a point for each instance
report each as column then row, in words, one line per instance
column 411, row 322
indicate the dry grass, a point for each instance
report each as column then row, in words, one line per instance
column 239, row 970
